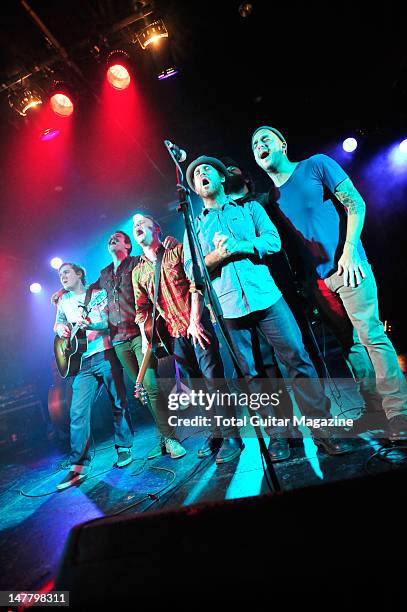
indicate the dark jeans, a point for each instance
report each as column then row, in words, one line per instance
column 206, row 365
column 281, row 330
column 131, row 357
column 101, row 368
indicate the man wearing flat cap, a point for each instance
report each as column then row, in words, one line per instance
column 235, row 238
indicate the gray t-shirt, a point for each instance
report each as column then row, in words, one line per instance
column 68, row 311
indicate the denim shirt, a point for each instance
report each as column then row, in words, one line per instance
column 243, row 282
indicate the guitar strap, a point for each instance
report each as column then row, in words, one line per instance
column 88, row 295
column 160, row 254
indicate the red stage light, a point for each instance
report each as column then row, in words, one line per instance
column 61, row 104
column 118, row 76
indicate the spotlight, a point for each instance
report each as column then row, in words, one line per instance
column 56, row 263
column 349, row 145
column 152, row 33
column 61, row 100
column 35, row 288
column 403, row 146
column 245, row 9
column 23, row 100
column 117, row 71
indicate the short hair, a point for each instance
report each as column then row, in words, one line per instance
column 156, row 225
column 127, row 240
column 78, row 269
column 271, row 129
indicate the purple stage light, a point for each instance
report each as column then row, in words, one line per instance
column 403, row 146
column 167, row 73
column 56, row 263
column 49, row 134
column 35, row 288
column 349, row 144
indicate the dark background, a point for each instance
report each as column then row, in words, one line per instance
column 319, row 72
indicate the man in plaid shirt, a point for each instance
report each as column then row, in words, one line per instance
column 196, row 348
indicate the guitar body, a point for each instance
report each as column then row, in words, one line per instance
column 68, row 353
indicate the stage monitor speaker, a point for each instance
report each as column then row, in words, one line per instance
column 317, row 534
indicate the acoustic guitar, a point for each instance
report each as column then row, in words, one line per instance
column 69, row 351
column 164, row 348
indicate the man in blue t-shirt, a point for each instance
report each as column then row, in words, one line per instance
column 323, row 215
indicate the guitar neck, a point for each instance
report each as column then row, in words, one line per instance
column 87, row 310
column 144, row 365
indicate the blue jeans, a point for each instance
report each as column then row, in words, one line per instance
column 281, row 330
column 100, row 368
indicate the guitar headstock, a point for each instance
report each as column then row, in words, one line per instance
column 140, row 393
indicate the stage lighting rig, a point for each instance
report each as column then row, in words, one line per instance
column 118, row 69
column 61, row 99
column 151, row 33
column 24, row 99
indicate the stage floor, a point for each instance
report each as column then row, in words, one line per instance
column 36, row 519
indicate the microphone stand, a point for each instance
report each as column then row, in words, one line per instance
column 203, row 283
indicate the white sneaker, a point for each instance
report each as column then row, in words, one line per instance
column 71, row 479
column 174, row 448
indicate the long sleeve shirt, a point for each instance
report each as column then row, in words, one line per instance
column 174, row 295
column 243, row 282
column 121, row 307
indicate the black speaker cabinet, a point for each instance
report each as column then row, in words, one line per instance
column 319, row 534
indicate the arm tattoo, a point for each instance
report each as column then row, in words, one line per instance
column 349, row 196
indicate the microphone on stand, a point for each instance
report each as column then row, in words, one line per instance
column 179, row 154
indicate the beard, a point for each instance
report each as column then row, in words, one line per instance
column 235, row 183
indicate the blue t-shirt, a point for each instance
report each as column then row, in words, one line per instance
column 317, row 220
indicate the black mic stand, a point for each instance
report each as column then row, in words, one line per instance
column 203, row 283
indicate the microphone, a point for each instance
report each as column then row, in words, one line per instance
column 179, row 154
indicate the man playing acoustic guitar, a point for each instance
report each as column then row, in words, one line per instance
column 196, row 348
column 99, row 365
column 116, row 280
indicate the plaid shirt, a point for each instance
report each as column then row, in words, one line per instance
column 174, row 299
column 121, row 308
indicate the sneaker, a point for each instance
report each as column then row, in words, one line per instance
column 174, row 448
column 326, row 440
column 230, row 449
column 278, row 449
column 158, row 450
column 210, row 446
column 123, row 458
column 71, row 479
column 398, row 428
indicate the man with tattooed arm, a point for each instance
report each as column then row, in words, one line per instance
column 320, row 216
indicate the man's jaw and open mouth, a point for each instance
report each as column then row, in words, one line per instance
column 264, row 154
column 139, row 233
column 205, row 181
